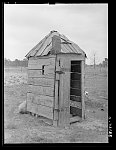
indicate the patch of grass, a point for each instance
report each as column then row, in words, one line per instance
column 72, row 140
column 38, row 139
column 94, row 104
column 11, row 126
column 15, row 93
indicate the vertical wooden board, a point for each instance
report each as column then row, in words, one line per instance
column 55, row 114
column 64, row 93
column 59, row 77
column 58, row 67
column 56, row 101
column 61, row 102
column 55, row 123
column 56, row 95
column 82, row 89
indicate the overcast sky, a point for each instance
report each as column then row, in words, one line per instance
column 84, row 24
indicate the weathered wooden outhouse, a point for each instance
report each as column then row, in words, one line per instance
column 56, row 80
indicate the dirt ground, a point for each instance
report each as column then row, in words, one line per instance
column 24, row 128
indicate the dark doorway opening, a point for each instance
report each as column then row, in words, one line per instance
column 75, row 89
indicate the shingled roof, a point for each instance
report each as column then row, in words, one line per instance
column 45, row 46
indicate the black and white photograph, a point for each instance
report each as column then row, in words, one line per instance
column 55, row 73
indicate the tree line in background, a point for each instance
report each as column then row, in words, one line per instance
column 15, row 63
column 24, row 63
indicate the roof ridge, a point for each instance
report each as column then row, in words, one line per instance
column 43, row 47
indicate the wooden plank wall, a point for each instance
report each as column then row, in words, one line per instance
column 37, row 63
column 41, row 81
column 44, row 97
column 40, row 105
column 41, row 90
column 41, row 100
column 38, row 74
column 40, row 96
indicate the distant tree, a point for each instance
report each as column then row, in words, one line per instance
column 7, row 62
column 25, row 62
column 15, row 63
column 25, row 59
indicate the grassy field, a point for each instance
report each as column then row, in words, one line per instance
column 24, row 128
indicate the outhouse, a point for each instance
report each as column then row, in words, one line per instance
column 56, row 80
